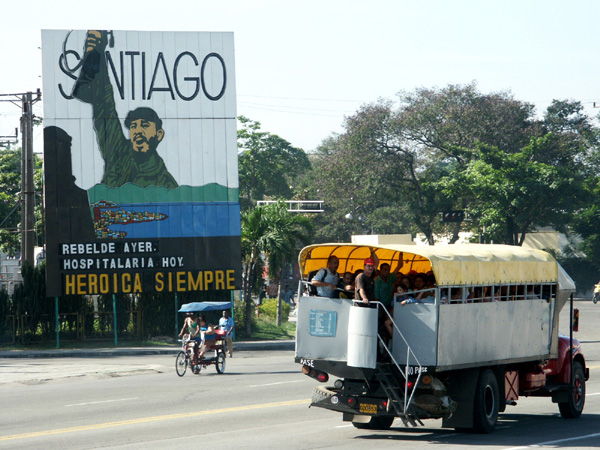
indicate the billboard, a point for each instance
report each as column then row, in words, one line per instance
column 140, row 162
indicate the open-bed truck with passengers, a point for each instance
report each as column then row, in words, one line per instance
column 485, row 335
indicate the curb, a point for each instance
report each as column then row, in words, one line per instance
column 287, row 345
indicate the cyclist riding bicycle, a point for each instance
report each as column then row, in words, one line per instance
column 193, row 329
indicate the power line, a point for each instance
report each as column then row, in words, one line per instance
column 303, row 98
column 291, row 112
column 294, row 107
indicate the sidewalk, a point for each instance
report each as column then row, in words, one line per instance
column 242, row 346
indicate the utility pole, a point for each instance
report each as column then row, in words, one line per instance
column 27, row 186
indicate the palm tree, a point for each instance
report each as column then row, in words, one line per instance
column 273, row 231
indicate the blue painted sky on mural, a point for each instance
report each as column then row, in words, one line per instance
column 301, row 67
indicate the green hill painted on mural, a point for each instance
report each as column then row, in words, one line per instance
column 130, row 193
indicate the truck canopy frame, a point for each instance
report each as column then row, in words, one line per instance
column 452, row 265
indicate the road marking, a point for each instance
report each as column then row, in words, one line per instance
column 560, row 441
column 589, row 395
column 279, row 382
column 103, row 401
column 150, row 419
column 344, row 426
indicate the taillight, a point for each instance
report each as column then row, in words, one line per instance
column 409, row 384
column 322, row 377
column 383, row 405
column 314, row 373
column 351, row 401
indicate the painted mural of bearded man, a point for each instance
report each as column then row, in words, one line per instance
column 126, row 160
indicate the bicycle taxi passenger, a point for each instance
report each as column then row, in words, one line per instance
column 208, row 334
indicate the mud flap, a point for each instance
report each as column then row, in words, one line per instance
column 461, row 387
column 560, row 395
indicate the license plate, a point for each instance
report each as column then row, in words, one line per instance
column 367, row 408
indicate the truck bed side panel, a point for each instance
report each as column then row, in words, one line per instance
column 322, row 328
column 498, row 331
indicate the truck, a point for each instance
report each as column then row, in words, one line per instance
column 481, row 336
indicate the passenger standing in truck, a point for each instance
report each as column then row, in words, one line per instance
column 326, row 279
column 365, row 284
column 384, row 284
column 384, row 293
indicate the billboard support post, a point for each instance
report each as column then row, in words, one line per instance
column 176, row 317
column 115, row 317
column 57, row 322
column 232, row 298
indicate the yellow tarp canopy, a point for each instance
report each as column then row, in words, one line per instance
column 451, row 264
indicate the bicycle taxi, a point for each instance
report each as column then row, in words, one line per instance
column 185, row 357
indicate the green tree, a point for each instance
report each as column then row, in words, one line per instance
column 376, row 177
column 512, row 193
column 451, row 121
column 275, row 233
column 587, row 220
column 398, row 166
column 267, row 164
column 10, row 200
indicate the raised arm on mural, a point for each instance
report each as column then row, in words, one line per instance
column 134, row 160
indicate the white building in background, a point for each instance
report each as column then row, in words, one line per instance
column 10, row 272
column 10, row 268
column 543, row 239
column 383, row 239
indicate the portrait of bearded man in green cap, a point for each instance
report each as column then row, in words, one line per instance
column 126, row 160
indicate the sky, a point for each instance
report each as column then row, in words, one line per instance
column 301, row 68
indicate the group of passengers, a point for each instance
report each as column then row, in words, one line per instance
column 372, row 284
column 388, row 286
column 368, row 285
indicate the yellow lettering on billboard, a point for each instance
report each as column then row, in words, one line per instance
column 92, row 283
column 180, row 281
column 81, row 284
column 126, row 283
column 194, row 284
column 208, row 278
column 159, row 284
column 219, row 279
column 137, row 286
column 231, row 279
column 104, row 284
column 70, row 284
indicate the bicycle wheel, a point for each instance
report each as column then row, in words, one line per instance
column 220, row 363
column 181, row 364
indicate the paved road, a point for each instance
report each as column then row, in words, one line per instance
column 260, row 402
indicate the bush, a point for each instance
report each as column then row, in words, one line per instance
column 269, row 309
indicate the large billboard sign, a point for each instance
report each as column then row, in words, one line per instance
column 140, row 157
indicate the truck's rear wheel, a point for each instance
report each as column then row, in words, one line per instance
column 573, row 408
column 487, row 401
column 376, row 423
